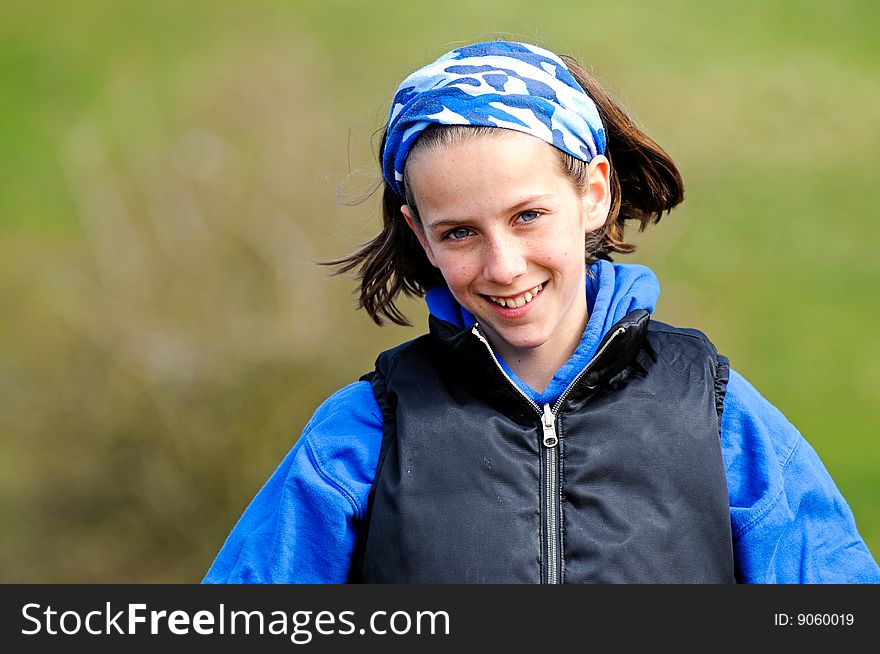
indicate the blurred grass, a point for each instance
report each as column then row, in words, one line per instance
column 170, row 174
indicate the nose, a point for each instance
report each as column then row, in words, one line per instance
column 504, row 260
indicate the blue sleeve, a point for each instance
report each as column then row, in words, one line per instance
column 790, row 523
column 300, row 528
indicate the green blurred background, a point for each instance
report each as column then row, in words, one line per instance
column 171, row 171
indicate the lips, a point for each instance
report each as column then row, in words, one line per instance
column 516, row 301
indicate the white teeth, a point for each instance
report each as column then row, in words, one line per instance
column 518, row 301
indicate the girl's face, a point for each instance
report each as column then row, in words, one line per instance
column 507, row 228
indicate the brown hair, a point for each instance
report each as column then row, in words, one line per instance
column 645, row 183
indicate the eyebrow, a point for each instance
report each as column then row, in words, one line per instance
column 519, row 206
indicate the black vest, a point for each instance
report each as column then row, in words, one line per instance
column 628, row 485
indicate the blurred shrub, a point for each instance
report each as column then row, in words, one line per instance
column 163, row 365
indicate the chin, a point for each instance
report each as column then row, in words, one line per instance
column 523, row 341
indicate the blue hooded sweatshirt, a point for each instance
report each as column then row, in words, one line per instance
column 789, row 522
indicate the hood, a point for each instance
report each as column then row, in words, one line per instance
column 615, row 290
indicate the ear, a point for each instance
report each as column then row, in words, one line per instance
column 597, row 200
column 419, row 231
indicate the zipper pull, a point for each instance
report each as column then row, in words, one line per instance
column 548, row 422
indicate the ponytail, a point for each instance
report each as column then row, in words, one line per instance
column 645, row 182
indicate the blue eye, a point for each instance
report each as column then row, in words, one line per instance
column 458, row 233
column 529, row 216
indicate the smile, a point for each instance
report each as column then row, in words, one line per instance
column 516, row 301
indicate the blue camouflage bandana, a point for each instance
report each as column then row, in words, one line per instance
column 496, row 84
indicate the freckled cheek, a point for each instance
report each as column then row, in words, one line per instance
column 552, row 255
column 559, row 250
column 458, row 272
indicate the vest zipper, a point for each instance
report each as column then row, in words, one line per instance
column 549, row 456
column 551, row 495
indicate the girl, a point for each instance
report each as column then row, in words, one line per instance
column 545, row 430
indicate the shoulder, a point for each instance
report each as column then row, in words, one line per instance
column 757, row 442
column 682, row 348
column 683, row 336
column 416, row 348
column 789, row 521
column 351, row 407
column 757, row 422
column 342, row 441
column 299, row 527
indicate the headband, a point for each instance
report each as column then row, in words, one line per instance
column 496, row 84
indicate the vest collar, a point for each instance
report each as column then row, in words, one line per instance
column 468, row 350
